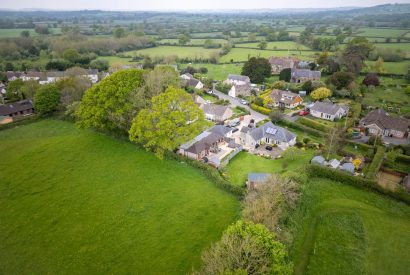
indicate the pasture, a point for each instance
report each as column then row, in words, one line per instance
column 115, row 60
column 195, row 41
column 380, row 32
column 340, row 229
column 390, row 67
column 278, row 45
column 75, row 201
column 241, row 54
column 12, row 33
column 217, row 71
column 164, row 51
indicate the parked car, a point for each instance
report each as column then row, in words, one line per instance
column 210, row 91
column 234, row 123
column 256, row 146
column 268, row 147
column 244, row 102
column 303, row 112
column 235, row 130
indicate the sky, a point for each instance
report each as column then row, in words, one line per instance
column 185, row 4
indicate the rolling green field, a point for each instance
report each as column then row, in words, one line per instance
column 390, row 67
column 279, row 45
column 115, row 60
column 217, row 71
column 241, row 54
column 11, row 33
column 388, row 97
column 75, row 201
column 200, row 41
column 380, row 32
column 244, row 163
column 164, row 51
column 344, row 230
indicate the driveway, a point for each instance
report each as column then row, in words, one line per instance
column 235, row 102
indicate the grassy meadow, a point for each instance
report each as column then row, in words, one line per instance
column 217, row 71
column 344, row 230
column 278, row 45
column 242, row 54
column 75, row 201
column 11, row 33
column 175, row 50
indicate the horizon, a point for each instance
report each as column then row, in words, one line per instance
column 188, row 6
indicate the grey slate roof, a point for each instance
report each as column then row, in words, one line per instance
column 204, row 143
column 382, row 119
column 327, row 108
column 281, row 134
column 192, row 82
column 348, row 167
column 14, row 107
column 239, row 77
column 258, row 177
column 220, row 130
column 305, row 73
column 318, row 160
column 213, row 109
column 282, row 61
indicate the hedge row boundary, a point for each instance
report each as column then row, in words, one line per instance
column 376, row 163
column 314, row 124
column 260, row 109
column 314, row 170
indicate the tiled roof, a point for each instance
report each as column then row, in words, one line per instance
column 384, row 121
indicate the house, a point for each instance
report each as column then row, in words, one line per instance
column 234, row 79
column 32, row 75
column 17, row 109
column 188, row 80
column 328, row 110
column 303, row 75
column 268, row 133
column 2, row 89
column 11, row 76
column 280, row 63
column 52, row 77
column 318, row 160
column 240, row 90
column 205, row 143
column 92, row 74
column 200, row 101
column 216, row 113
column 379, row 122
column 348, row 167
column 285, row 99
column 256, row 179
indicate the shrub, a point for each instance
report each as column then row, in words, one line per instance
column 246, row 248
column 314, row 124
column 371, row 79
column 321, row 93
column 46, row 99
column 376, row 163
column 301, row 127
column 260, row 109
column 341, row 79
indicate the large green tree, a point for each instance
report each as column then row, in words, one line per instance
column 46, row 99
column 355, row 53
column 246, row 248
column 172, row 119
column 14, row 90
column 106, row 105
column 257, row 68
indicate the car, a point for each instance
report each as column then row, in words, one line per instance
column 244, row 102
column 256, row 146
column 210, row 91
column 303, row 112
column 268, row 147
column 235, row 130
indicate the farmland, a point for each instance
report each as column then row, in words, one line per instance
column 10, row 33
column 241, row 54
column 218, row 71
column 163, row 51
column 279, row 45
column 75, row 200
column 343, row 230
column 379, row 32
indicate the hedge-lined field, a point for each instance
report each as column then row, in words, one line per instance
column 340, row 229
column 76, row 201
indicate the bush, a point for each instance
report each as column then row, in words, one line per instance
column 246, row 248
column 314, row 170
column 371, row 79
column 301, row 127
column 46, row 99
column 260, row 109
column 313, row 124
column 376, row 163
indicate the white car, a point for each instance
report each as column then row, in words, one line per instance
column 244, row 102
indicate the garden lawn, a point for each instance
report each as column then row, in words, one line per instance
column 241, row 54
column 217, row 71
column 388, row 97
column 244, row 163
column 75, row 201
column 340, row 229
column 163, row 51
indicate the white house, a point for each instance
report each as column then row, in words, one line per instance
column 237, row 90
column 234, row 79
column 188, row 80
column 268, row 133
column 328, row 111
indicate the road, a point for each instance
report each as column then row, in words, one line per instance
column 235, row 102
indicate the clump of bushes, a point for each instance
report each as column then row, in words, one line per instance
column 260, row 109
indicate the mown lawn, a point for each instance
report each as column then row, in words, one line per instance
column 344, row 230
column 75, row 201
column 244, row 163
column 163, row 51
